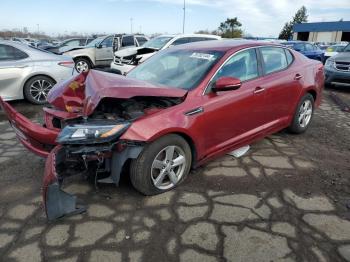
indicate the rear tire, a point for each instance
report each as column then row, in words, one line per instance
column 157, row 169
column 303, row 115
column 82, row 64
column 36, row 89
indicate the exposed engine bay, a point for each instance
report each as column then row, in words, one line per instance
column 131, row 109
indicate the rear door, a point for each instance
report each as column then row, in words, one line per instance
column 13, row 69
column 281, row 84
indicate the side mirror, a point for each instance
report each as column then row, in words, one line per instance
column 226, row 84
column 98, row 46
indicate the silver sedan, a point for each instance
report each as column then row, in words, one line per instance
column 28, row 72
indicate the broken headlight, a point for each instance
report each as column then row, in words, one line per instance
column 93, row 133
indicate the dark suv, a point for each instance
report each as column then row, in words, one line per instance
column 337, row 68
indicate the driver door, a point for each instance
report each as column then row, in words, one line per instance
column 234, row 118
column 104, row 53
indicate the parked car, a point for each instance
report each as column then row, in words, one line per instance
column 127, row 59
column 333, row 50
column 310, row 50
column 68, row 45
column 28, row 72
column 26, row 41
column 100, row 51
column 177, row 110
column 337, row 68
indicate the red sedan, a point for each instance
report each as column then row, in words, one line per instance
column 175, row 111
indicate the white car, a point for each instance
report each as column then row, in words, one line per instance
column 28, row 72
column 333, row 50
column 99, row 52
column 126, row 59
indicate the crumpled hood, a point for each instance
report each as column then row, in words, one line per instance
column 82, row 93
column 134, row 51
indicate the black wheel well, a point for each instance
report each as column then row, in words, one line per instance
column 30, row 78
column 313, row 93
column 84, row 57
column 190, row 142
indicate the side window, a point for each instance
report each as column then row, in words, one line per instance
column 141, row 40
column 289, row 56
column 73, row 43
column 82, row 42
column 207, row 39
column 274, row 59
column 128, row 40
column 243, row 66
column 10, row 53
column 196, row 39
column 89, row 40
column 181, row 41
column 108, row 42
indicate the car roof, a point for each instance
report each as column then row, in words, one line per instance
column 14, row 43
column 225, row 45
column 190, row 35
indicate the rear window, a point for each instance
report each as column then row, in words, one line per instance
column 274, row 59
column 128, row 41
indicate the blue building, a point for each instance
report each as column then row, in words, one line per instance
column 322, row 31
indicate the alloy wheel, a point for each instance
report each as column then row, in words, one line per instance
column 82, row 66
column 39, row 90
column 168, row 167
column 305, row 113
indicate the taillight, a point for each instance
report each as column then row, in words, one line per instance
column 67, row 64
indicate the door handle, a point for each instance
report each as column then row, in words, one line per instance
column 259, row 90
column 298, row 77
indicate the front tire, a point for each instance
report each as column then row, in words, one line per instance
column 37, row 88
column 161, row 166
column 303, row 115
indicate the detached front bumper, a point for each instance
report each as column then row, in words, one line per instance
column 36, row 138
column 57, row 203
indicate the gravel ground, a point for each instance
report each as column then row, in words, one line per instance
column 283, row 201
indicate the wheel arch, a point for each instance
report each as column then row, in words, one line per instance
column 36, row 75
column 85, row 57
column 191, row 143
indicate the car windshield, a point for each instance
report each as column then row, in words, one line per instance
column 158, row 42
column 347, row 48
column 183, row 69
column 96, row 41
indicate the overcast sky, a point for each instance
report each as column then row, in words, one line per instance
column 259, row 17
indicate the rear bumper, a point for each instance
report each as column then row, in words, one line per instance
column 36, row 138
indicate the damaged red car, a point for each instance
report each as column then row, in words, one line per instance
column 176, row 111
